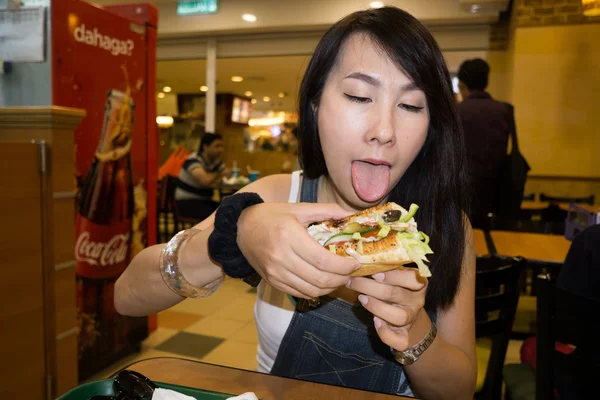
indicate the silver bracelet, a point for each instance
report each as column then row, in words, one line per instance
column 172, row 276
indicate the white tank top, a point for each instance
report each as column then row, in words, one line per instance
column 273, row 310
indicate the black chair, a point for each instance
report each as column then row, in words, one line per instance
column 185, row 217
column 497, row 293
column 525, row 324
column 541, row 268
column 170, row 219
column 166, row 220
column 577, row 200
column 569, row 319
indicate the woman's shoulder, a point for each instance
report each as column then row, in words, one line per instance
column 272, row 188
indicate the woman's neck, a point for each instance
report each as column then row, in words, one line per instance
column 328, row 193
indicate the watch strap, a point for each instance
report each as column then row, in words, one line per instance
column 413, row 353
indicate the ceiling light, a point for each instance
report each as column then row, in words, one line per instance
column 281, row 95
column 236, row 78
column 248, row 93
column 266, row 99
column 266, row 121
column 167, row 89
column 376, row 4
column 204, row 88
column 160, row 95
column 164, row 121
column 475, row 8
column 591, row 8
column 249, row 17
column 253, row 101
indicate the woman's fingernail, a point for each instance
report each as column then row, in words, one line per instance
column 377, row 322
column 363, row 299
column 349, row 283
column 357, row 267
column 379, row 277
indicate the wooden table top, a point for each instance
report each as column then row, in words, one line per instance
column 237, row 381
column 534, row 246
column 481, row 248
column 532, row 205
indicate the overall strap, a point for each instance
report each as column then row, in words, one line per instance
column 308, row 193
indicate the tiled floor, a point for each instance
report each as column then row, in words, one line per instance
column 219, row 330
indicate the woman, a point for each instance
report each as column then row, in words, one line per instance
column 377, row 123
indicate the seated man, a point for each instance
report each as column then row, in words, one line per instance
column 200, row 173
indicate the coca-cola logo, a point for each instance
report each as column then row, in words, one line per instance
column 102, row 254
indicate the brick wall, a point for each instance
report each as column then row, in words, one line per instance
column 550, row 12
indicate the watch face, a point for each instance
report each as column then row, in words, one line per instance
column 405, row 358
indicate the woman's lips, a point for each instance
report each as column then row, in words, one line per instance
column 375, row 161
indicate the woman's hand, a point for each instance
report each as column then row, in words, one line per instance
column 274, row 240
column 395, row 298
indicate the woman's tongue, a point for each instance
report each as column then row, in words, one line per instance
column 371, row 182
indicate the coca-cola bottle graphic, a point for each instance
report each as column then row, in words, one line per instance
column 103, row 231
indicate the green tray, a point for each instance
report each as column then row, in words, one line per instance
column 105, row 388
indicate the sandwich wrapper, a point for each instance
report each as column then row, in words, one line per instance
column 166, row 394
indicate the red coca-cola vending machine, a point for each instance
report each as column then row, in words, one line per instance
column 104, row 60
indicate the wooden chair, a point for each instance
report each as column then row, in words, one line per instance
column 577, row 200
column 497, row 292
column 569, row 319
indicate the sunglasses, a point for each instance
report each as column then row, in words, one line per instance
column 130, row 385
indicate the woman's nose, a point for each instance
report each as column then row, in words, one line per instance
column 383, row 130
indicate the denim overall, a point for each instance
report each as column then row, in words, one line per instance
column 335, row 342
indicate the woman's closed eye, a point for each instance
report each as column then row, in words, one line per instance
column 410, row 108
column 357, row 99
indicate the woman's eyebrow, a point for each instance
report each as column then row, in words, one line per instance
column 409, row 87
column 371, row 80
column 374, row 81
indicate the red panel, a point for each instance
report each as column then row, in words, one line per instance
column 142, row 13
column 102, row 59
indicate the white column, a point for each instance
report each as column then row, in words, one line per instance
column 211, row 82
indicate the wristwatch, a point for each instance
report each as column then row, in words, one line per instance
column 409, row 356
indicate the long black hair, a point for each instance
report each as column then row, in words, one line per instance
column 436, row 179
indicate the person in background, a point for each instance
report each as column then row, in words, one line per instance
column 580, row 275
column 290, row 166
column 486, row 125
column 297, row 166
column 198, row 177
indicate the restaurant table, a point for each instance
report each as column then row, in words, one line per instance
column 479, row 240
column 223, row 190
column 534, row 205
column 217, row 378
column 532, row 246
